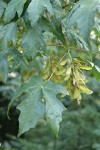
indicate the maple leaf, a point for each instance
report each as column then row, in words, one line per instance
column 32, row 108
column 13, row 7
column 83, row 14
column 36, row 8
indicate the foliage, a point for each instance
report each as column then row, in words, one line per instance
column 49, row 40
column 40, row 95
column 80, row 128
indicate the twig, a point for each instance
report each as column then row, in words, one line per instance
column 76, row 49
column 59, row 45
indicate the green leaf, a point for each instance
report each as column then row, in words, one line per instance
column 46, row 25
column 33, row 39
column 36, row 9
column 54, row 107
column 16, row 55
column 13, row 7
column 33, row 109
column 84, row 14
column 75, row 38
column 2, row 7
column 3, row 53
column 18, row 58
column 8, row 33
column 96, row 71
column 58, row 2
column 4, row 69
column 57, row 9
column 56, row 29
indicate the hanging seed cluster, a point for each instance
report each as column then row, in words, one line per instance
column 69, row 72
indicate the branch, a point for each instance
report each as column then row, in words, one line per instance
column 58, row 45
column 76, row 49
